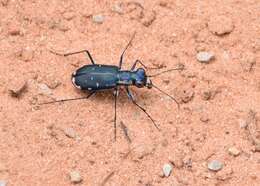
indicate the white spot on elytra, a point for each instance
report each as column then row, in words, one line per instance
column 74, row 73
column 91, row 78
column 73, row 82
column 89, row 88
column 99, row 65
column 97, row 85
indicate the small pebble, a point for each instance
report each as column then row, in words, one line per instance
column 204, row 118
column 257, row 147
column 142, row 150
column 215, row 165
column 205, row 57
column 117, row 8
column 63, row 26
column 44, row 89
column 242, row 123
column 27, row 54
column 2, row 183
column 149, row 18
column 14, row 29
column 75, row 177
column 206, row 95
column 98, row 18
column 187, row 95
column 220, row 25
column 51, row 81
column 233, row 151
column 70, row 132
column 167, row 169
column 68, row 16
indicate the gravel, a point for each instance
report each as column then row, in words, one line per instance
column 215, row 165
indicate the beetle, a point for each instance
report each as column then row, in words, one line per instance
column 95, row 77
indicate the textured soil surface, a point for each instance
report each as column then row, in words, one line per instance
column 213, row 139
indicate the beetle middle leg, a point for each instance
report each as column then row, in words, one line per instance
column 115, row 95
column 78, row 52
column 130, row 96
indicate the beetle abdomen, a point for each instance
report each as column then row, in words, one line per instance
column 95, row 77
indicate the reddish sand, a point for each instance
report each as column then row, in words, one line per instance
column 220, row 100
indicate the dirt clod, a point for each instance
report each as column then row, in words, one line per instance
column 220, row 25
column 17, row 88
column 233, row 151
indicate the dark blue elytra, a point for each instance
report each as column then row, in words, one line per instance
column 100, row 77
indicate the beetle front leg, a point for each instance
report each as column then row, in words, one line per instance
column 138, row 61
column 130, row 96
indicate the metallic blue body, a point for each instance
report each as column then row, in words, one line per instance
column 101, row 77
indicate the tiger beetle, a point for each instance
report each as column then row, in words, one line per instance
column 96, row 77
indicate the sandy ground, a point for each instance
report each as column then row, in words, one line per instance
column 67, row 143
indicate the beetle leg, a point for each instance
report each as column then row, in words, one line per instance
column 115, row 95
column 138, row 61
column 130, row 96
column 72, row 99
column 78, row 52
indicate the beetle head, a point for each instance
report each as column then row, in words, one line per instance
column 141, row 79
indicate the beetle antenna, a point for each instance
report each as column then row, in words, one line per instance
column 167, row 95
column 64, row 100
column 129, row 43
column 169, row 70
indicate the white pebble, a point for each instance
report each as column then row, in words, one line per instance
column 75, row 176
column 167, row 169
column 2, row 183
column 99, row 18
column 205, row 57
column 215, row 165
